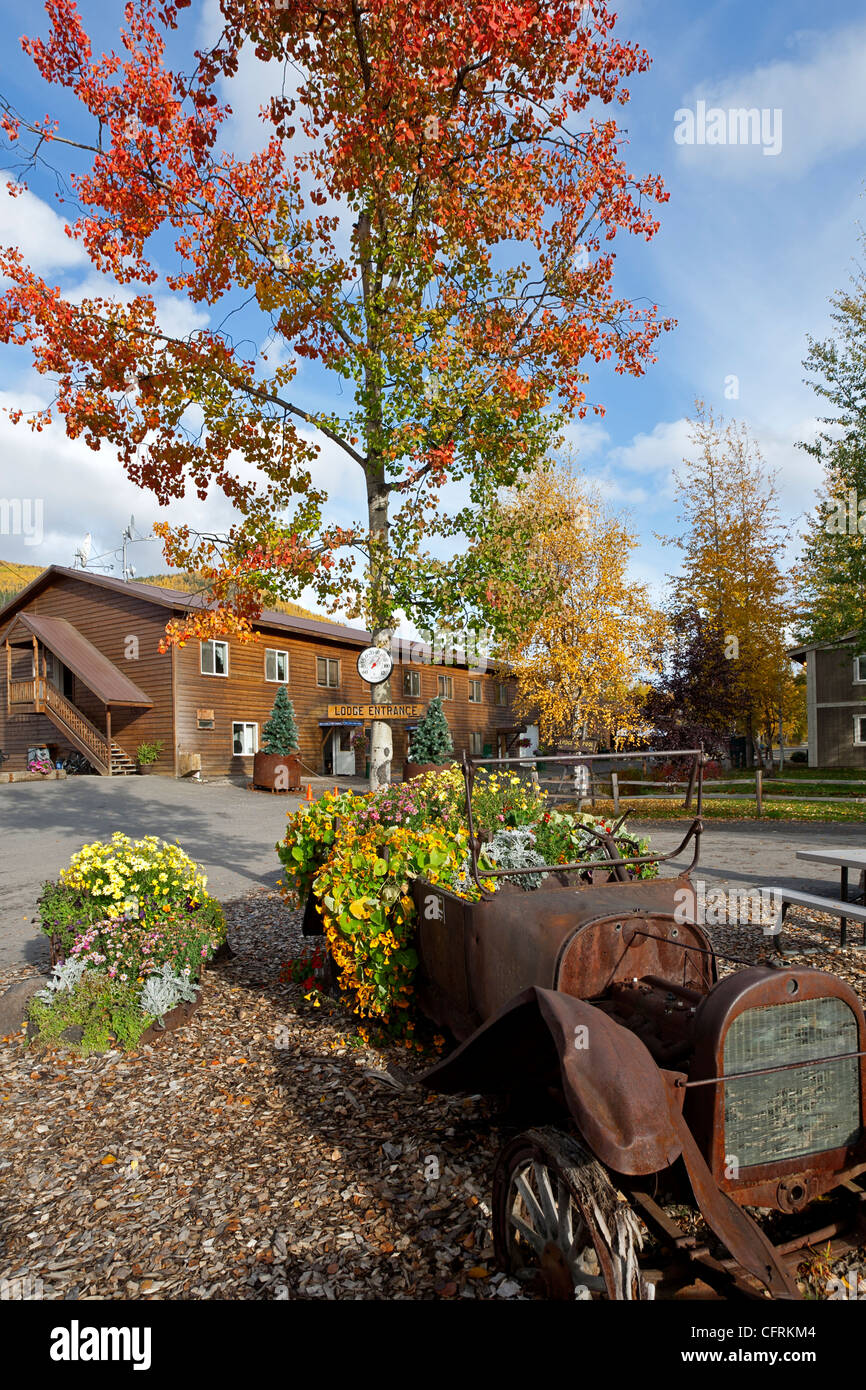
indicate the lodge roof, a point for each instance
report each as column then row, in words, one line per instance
column 180, row 600
column 109, row 684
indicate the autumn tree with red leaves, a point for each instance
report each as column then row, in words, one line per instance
column 429, row 215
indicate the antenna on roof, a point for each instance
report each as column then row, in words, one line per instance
column 128, row 535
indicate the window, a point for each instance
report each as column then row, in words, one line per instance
column 214, row 658
column 446, row 687
column 412, row 683
column 245, row 740
column 859, row 670
column 204, row 718
column 501, row 694
column 860, row 729
column 475, row 742
column 276, row 665
column 327, row 672
column 475, row 692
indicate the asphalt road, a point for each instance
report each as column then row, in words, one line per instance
column 226, row 828
column 232, row 831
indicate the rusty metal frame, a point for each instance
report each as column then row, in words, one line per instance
column 470, row 766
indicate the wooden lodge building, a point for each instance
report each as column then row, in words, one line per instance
column 82, row 671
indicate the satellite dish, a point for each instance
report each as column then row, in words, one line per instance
column 82, row 554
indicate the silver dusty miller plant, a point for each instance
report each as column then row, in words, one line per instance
column 514, row 848
column 64, row 978
column 163, row 990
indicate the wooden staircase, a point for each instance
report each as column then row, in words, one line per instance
column 39, row 696
column 121, row 763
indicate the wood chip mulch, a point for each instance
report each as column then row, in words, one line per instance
column 263, row 1151
column 260, row 1152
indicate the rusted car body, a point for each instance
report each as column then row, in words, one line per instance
column 598, row 1005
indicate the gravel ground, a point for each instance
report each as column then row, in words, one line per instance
column 255, row 1154
column 262, row 1152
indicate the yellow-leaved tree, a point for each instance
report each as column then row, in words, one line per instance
column 731, row 538
column 584, row 636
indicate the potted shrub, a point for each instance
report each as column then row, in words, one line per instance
column 430, row 745
column 277, row 767
column 146, row 754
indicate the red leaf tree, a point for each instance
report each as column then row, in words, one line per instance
column 430, row 216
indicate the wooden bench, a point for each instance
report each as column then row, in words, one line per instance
column 845, row 911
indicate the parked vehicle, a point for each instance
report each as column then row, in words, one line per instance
column 599, row 1005
column 594, row 1002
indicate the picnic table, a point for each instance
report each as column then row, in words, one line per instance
column 845, row 858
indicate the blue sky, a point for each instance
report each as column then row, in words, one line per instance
column 751, row 247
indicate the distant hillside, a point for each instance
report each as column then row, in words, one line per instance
column 15, row 577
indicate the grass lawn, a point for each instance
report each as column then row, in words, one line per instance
column 797, row 781
column 657, row 808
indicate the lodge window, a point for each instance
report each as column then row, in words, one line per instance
column 475, row 692
column 245, row 739
column 214, row 658
column 446, row 687
column 276, row 665
column 475, row 742
column 860, row 729
column 501, row 694
column 860, row 670
column 412, row 683
column 327, row 672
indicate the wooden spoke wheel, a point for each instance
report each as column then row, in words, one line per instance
column 559, row 1223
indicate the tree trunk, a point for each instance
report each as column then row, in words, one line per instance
column 380, row 605
column 381, row 740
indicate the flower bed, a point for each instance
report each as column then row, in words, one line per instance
column 357, row 855
column 131, row 929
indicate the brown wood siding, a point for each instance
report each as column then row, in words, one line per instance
column 834, row 675
column 107, row 618
column 244, row 695
column 839, row 698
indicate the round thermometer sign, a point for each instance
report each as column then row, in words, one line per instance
column 374, row 665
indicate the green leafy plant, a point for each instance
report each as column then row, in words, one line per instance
column 431, row 742
column 64, row 913
column 147, row 753
column 280, row 732
column 107, row 1012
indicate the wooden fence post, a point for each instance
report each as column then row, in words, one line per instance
column 759, row 791
column 691, row 786
column 614, row 783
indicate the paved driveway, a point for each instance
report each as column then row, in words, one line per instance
column 232, row 831
column 229, row 830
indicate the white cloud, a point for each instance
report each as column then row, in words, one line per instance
column 33, row 226
column 821, row 97
column 83, row 490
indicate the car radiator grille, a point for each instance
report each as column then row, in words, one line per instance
column 802, row 1111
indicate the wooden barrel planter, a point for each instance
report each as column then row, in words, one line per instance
column 411, row 770
column 277, row 772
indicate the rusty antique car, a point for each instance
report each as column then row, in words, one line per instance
column 647, row 1080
